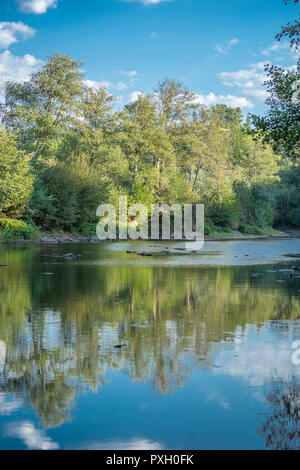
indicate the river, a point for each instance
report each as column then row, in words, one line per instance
column 204, row 357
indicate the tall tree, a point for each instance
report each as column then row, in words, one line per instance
column 281, row 126
column 42, row 108
column 176, row 103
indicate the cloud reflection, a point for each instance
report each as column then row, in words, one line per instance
column 130, row 444
column 9, row 405
column 32, row 437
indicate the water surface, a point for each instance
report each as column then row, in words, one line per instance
column 208, row 362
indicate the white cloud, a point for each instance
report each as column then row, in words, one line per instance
column 276, row 46
column 37, row 6
column 120, row 86
column 130, row 73
column 234, row 101
column 135, row 96
column 32, row 437
column 96, row 85
column 154, row 35
column 11, row 32
column 17, row 69
column 225, row 48
column 248, row 81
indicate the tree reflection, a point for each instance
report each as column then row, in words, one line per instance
column 58, row 332
column 281, row 428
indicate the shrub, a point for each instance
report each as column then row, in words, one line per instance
column 67, row 195
column 249, row 229
column 255, row 230
column 89, row 230
column 12, row 228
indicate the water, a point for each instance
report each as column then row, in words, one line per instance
column 208, row 362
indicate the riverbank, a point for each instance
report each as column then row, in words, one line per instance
column 65, row 237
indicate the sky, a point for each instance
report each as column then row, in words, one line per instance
column 216, row 48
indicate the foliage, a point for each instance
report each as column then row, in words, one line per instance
column 163, row 148
column 14, row 229
column 88, row 230
column 281, row 125
column 15, row 177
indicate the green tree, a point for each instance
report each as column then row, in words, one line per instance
column 281, row 126
column 45, row 106
column 16, row 182
column 176, row 103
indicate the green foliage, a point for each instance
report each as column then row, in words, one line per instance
column 89, row 230
column 281, row 125
column 288, row 198
column 258, row 203
column 16, row 229
column 72, row 197
column 15, row 178
column 162, row 148
column 255, row 230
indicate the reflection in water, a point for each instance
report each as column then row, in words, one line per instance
column 133, row 444
column 32, row 437
column 281, row 428
column 57, row 333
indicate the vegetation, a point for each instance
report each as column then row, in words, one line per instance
column 65, row 149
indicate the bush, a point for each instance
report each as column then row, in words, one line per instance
column 89, row 230
column 67, row 195
column 250, row 229
column 16, row 229
column 225, row 214
column 258, row 204
column 255, row 230
column 208, row 227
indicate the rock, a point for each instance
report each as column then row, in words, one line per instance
column 130, row 252
column 71, row 256
column 3, row 265
column 295, row 268
column 144, row 254
column 164, row 252
column 119, row 346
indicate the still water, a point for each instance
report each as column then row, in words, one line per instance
column 208, row 356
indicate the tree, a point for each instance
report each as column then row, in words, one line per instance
column 16, row 182
column 291, row 30
column 176, row 103
column 281, row 126
column 45, row 106
column 146, row 145
column 281, row 426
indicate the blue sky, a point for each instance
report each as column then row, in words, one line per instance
column 217, row 48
